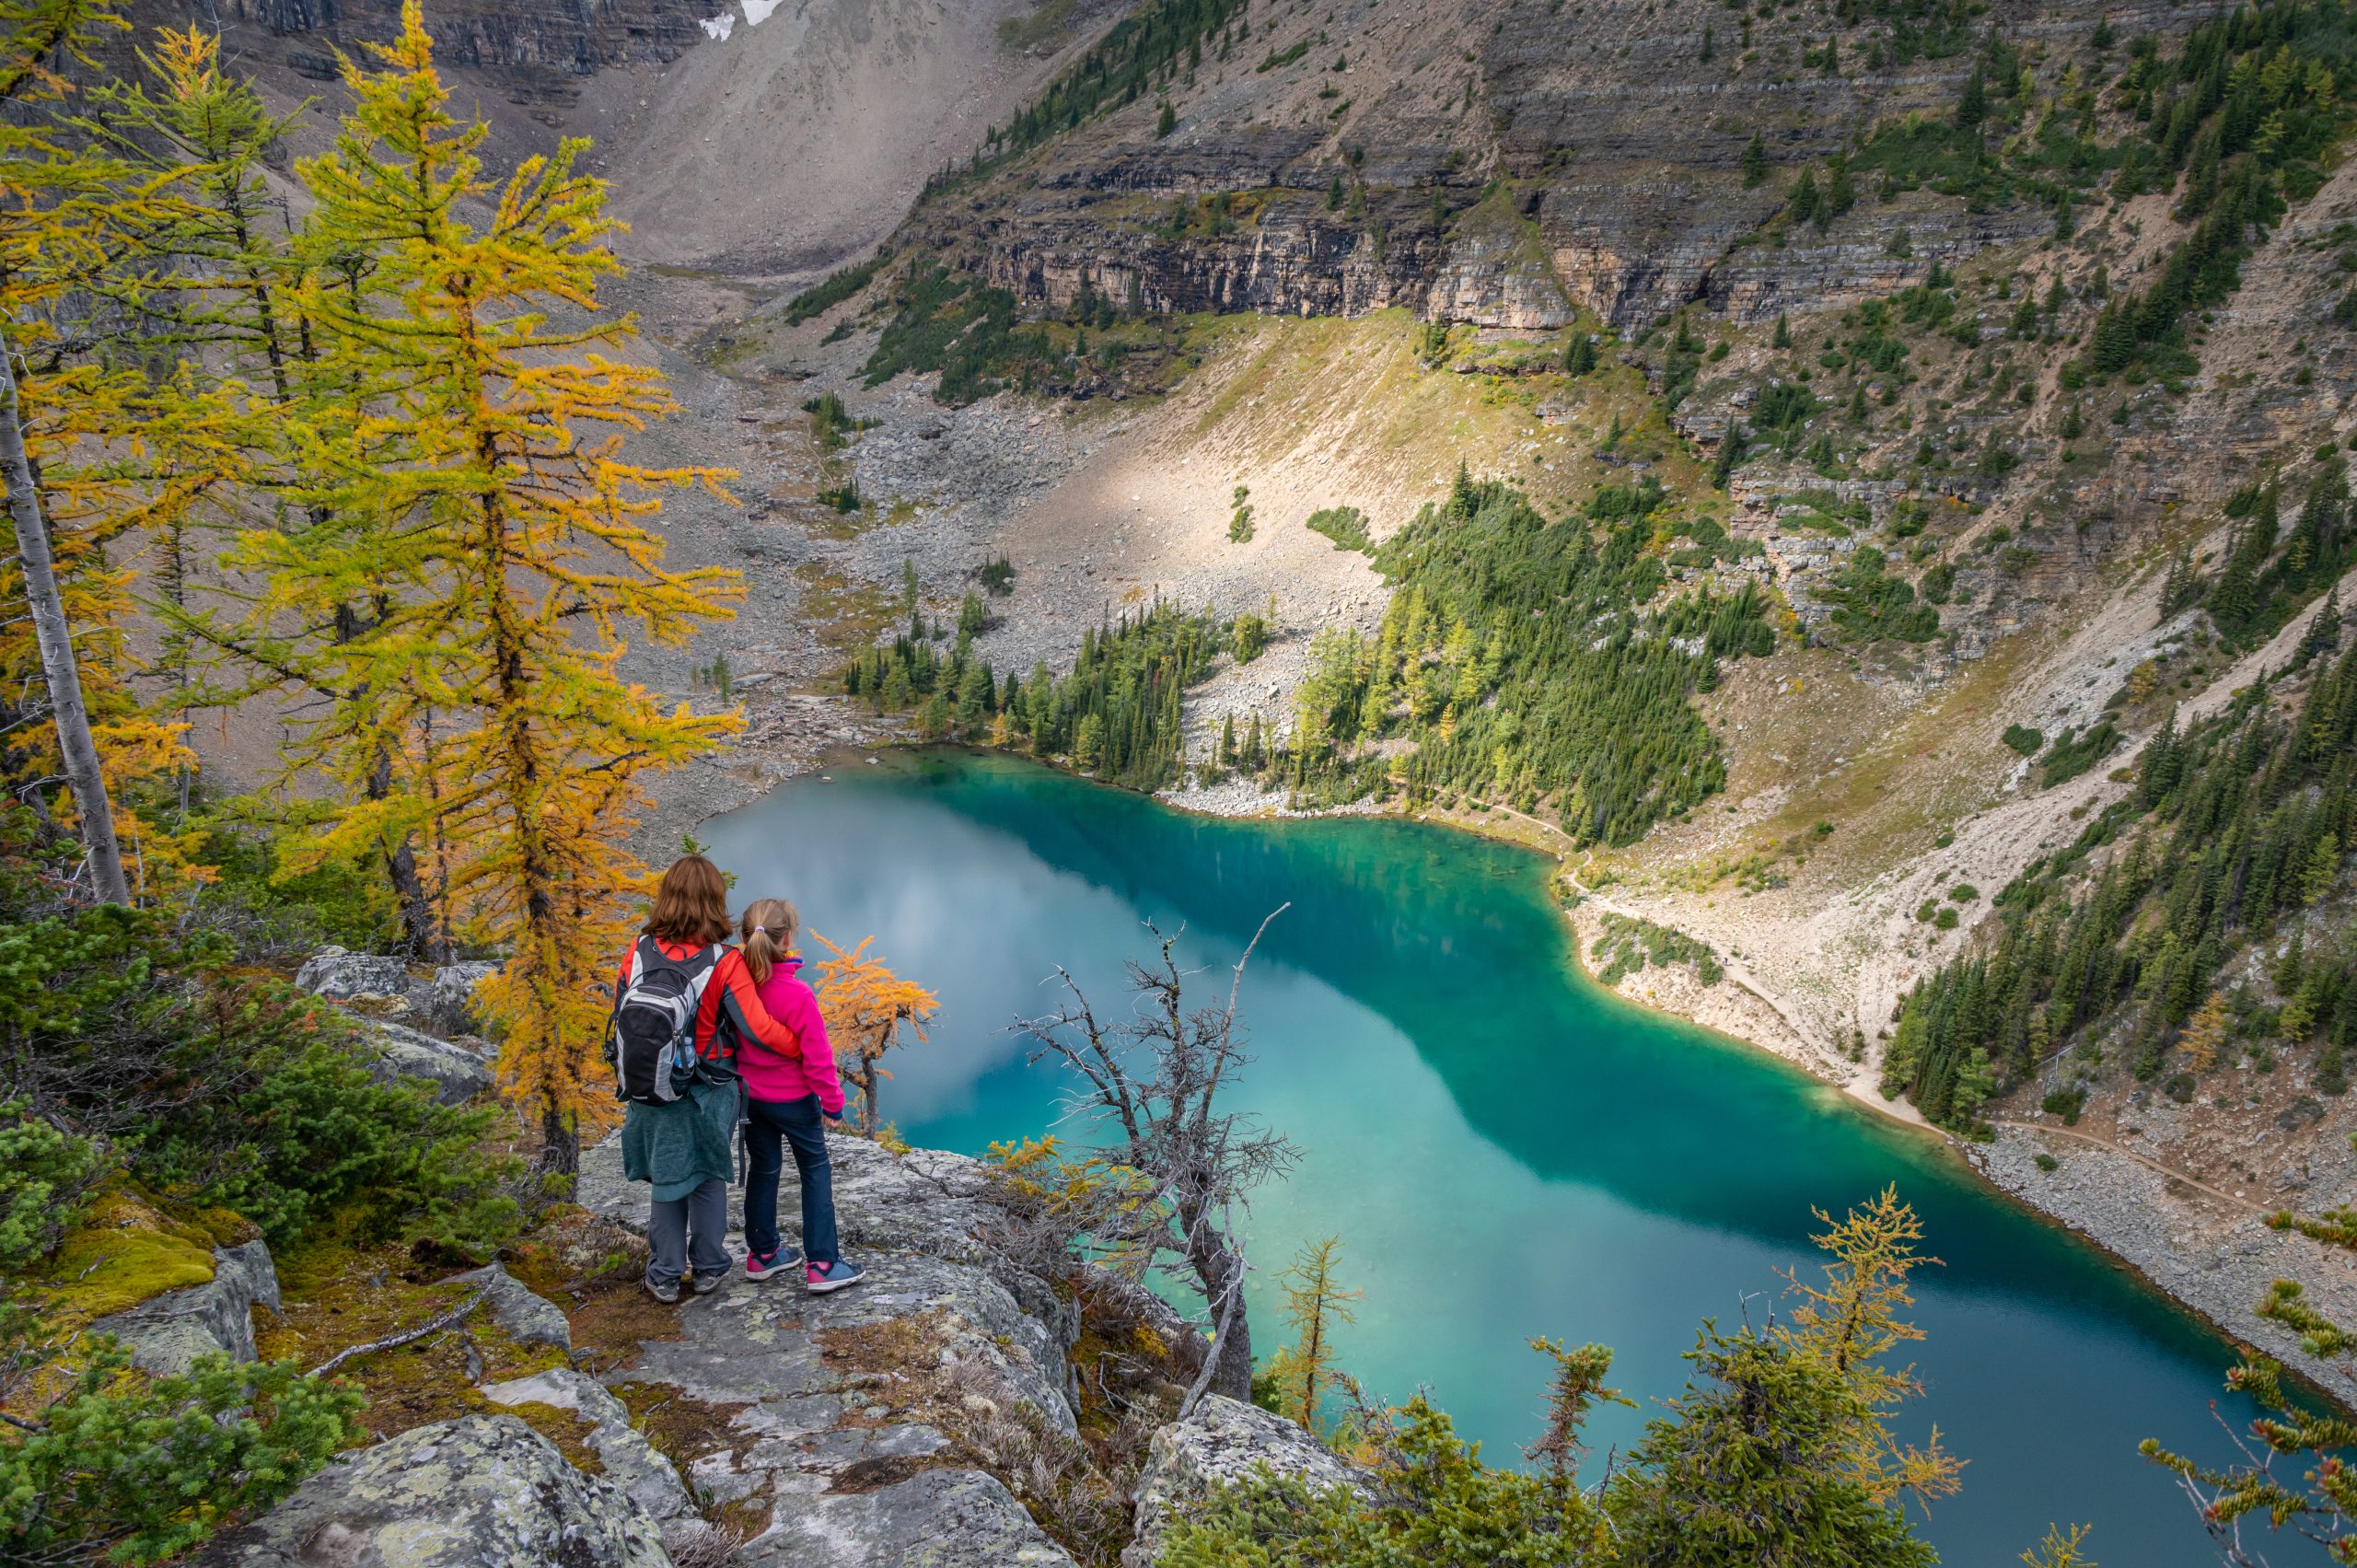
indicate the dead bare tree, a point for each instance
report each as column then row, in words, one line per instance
column 1153, row 1082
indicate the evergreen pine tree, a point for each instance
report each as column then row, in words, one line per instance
column 1804, row 200
column 1972, row 108
column 2323, row 635
column 1755, row 161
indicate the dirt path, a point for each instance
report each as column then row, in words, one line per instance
column 2146, row 1161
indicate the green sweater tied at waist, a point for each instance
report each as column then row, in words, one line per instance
column 681, row 1145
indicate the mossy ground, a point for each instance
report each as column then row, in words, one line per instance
column 128, row 1251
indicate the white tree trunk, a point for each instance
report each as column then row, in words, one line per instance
column 55, row 638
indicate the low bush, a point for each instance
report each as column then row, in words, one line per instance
column 1346, row 525
column 122, row 1470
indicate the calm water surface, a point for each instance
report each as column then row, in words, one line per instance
column 1505, row 1148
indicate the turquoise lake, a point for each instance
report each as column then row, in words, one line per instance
column 1505, row 1148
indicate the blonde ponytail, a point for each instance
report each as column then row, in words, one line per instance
column 767, row 927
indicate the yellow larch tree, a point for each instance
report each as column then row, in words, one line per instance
column 1848, row 1325
column 234, row 292
column 2205, row 1032
column 866, row 1006
column 485, row 514
column 1307, row 1370
column 91, row 450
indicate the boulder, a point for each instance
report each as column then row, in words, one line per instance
column 527, row 1318
column 447, row 1003
column 480, row 1492
column 165, row 1334
column 630, row 1461
column 1223, row 1441
column 383, row 987
column 339, row 974
column 457, row 1073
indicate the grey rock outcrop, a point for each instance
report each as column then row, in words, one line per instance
column 847, row 1465
column 527, row 1318
column 538, row 52
column 632, row 1462
column 385, row 990
column 340, row 975
column 447, row 1001
column 481, row 1492
column 1223, row 1441
column 457, row 1072
column 165, row 1334
column 942, row 1518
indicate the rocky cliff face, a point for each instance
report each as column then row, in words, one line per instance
column 538, row 52
column 1485, row 161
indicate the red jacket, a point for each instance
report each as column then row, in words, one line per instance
column 728, row 995
column 776, row 1078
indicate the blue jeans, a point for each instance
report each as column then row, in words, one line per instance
column 800, row 1124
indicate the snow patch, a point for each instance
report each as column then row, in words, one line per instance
column 757, row 11
column 718, row 28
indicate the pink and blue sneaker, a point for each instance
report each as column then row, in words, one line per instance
column 761, row 1265
column 823, row 1277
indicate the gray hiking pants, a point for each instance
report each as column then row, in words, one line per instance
column 693, row 1224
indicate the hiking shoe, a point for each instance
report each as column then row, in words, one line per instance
column 666, row 1294
column 824, row 1277
column 761, row 1265
column 706, row 1284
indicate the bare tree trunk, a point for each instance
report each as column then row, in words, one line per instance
column 55, row 637
column 1221, row 1275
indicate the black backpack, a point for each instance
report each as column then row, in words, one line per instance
column 651, row 1039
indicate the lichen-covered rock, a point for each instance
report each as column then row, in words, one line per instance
column 339, row 974
column 457, row 1073
column 447, row 1003
column 481, row 1492
column 939, row 1518
column 632, row 1462
column 528, row 1319
column 849, row 1461
column 1223, row 1441
column 165, row 1334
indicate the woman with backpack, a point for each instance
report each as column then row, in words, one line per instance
column 681, row 1001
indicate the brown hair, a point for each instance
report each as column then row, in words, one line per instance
column 767, row 927
column 690, row 903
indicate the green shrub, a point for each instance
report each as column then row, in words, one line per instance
column 126, row 1471
column 309, row 1137
column 833, row 289
column 1944, row 919
column 2066, row 1103
column 2074, row 754
column 224, row 1090
column 2024, row 740
column 44, row 1175
column 1346, row 525
column 2046, row 1162
column 1248, row 636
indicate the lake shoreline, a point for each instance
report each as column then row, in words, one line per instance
column 2111, row 1203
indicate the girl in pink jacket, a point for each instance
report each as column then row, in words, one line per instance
column 792, row 1098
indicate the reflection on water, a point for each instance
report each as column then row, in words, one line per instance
column 1504, row 1149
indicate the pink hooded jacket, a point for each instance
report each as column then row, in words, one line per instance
column 770, row 1076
